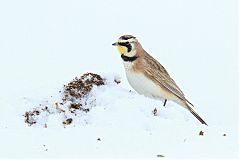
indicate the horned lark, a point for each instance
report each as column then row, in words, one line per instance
column 147, row 76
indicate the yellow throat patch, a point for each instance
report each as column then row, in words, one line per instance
column 122, row 49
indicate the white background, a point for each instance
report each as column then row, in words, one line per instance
column 44, row 44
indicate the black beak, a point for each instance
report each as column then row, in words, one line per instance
column 115, row 44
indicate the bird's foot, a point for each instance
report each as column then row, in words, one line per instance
column 155, row 112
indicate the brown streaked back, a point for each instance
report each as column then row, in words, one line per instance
column 154, row 70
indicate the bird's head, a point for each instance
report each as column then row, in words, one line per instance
column 126, row 45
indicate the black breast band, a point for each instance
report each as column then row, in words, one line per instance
column 128, row 59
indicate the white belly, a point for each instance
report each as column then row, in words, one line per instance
column 143, row 85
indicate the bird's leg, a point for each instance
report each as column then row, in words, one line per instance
column 165, row 101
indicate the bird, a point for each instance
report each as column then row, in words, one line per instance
column 148, row 77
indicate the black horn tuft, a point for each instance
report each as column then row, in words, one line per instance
column 126, row 37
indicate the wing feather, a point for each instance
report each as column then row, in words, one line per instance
column 154, row 70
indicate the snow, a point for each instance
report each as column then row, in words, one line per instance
column 43, row 45
column 123, row 121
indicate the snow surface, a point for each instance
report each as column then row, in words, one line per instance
column 44, row 44
column 123, row 121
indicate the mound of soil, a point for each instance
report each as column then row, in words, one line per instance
column 74, row 100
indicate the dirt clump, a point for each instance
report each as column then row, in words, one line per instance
column 74, row 100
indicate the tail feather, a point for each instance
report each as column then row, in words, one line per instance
column 198, row 117
column 186, row 104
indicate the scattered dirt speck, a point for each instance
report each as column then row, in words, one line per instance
column 160, row 156
column 68, row 121
column 201, row 133
column 45, row 149
column 117, row 81
column 30, row 117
